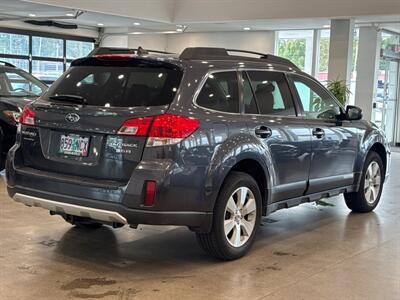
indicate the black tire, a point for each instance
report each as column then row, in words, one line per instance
column 357, row 201
column 216, row 243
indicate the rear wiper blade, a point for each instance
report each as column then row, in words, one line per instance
column 69, row 98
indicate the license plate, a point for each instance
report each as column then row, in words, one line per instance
column 74, row 145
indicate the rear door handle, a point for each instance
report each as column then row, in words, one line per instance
column 319, row 133
column 263, row 132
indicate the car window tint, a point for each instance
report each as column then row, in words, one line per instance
column 220, row 92
column 119, row 86
column 250, row 105
column 317, row 103
column 272, row 93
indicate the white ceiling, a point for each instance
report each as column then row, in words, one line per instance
column 205, row 15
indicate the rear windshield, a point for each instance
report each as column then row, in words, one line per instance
column 116, row 86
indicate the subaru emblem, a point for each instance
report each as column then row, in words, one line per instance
column 72, row 118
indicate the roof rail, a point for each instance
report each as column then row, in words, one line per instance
column 221, row 53
column 247, row 52
column 111, row 50
column 7, row 64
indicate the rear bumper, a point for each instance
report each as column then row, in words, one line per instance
column 109, row 212
column 179, row 200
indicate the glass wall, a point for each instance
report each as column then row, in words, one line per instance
column 323, row 55
column 296, row 45
column 386, row 104
column 309, row 50
column 14, row 43
column 44, row 55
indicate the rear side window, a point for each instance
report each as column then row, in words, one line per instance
column 272, row 93
column 220, row 92
column 112, row 86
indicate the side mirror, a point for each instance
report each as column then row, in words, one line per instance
column 353, row 113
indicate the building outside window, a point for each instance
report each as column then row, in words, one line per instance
column 386, row 103
column 309, row 50
column 44, row 55
column 297, row 46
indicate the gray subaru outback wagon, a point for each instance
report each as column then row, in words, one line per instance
column 209, row 140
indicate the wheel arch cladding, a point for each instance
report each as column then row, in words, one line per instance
column 255, row 170
column 249, row 165
column 381, row 151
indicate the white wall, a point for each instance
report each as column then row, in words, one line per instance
column 114, row 37
column 151, row 41
column 367, row 66
column 340, row 50
column 261, row 41
column 116, row 41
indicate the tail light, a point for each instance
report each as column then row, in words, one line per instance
column 150, row 193
column 161, row 130
column 137, row 127
column 27, row 116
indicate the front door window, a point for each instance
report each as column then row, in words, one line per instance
column 316, row 102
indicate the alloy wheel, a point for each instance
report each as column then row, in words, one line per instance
column 240, row 216
column 372, row 182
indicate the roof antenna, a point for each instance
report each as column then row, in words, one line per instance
column 141, row 51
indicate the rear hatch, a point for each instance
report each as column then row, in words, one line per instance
column 82, row 126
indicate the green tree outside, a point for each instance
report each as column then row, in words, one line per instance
column 294, row 50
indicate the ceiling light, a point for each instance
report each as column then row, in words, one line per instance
column 69, row 14
column 32, row 15
column 136, row 23
column 326, row 26
column 179, row 29
column 100, row 24
column 246, row 28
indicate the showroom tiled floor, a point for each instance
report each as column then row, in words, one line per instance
column 309, row 252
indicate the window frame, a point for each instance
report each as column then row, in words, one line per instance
column 31, row 58
column 291, row 78
column 295, row 106
column 203, row 82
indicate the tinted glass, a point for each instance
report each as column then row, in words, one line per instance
column 220, row 92
column 250, row 105
column 272, row 93
column 316, row 102
column 119, row 86
column 17, row 83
